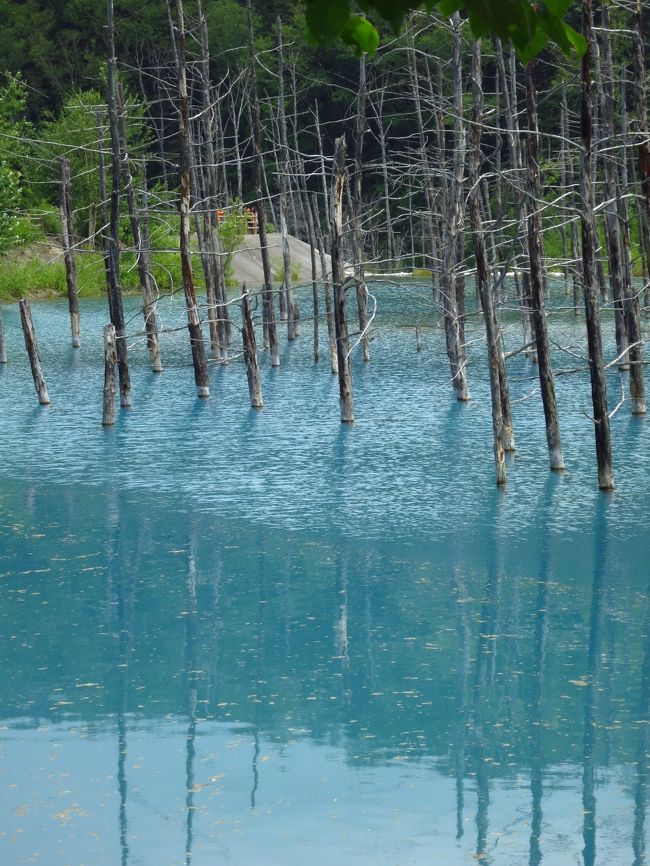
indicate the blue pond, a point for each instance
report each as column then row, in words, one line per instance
column 263, row 639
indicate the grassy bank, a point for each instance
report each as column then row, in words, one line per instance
column 37, row 271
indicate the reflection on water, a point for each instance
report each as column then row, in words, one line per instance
column 270, row 641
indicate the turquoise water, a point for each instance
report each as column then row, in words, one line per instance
column 261, row 638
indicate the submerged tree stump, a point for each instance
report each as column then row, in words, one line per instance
column 32, row 350
column 110, row 363
column 3, row 347
column 250, row 351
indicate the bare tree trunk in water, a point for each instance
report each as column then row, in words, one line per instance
column 68, row 251
column 197, row 344
column 592, row 309
column 284, row 171
column 482, row 268
column 338, row 281
column 144, row 271
column 267, row 290
column 544, row 364
column 453, row 329
column 115, row 308
column 357, row 205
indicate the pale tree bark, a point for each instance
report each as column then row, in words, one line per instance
column 284, row 172
column 453, row 328
column 482, row 268
column 115, row 307
column 142, row 258
column 197, row 344
column 357, row 205
column 68, row 251
column 544, row 363
column 267, row 290
column 339, row 284
column 590, row 288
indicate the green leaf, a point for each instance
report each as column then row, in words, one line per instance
column 557, row 8
column 327, row 18
column 448, row 7
column 531, row 49
column 360, row 33
column 576, row 39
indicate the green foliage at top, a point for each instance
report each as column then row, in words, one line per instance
column 13, row 130
column 529, row 26
column 232, row 231
column 74, row 135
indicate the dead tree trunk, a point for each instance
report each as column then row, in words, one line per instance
column 68, row 251
column 311, row 218
column 544, row 364
column 592, row 309
column 115, row 307
column 633, row 318
column 284, row 166
column 453, row 327
column 427, row 183
column 613, row 234
column 3, row 345
column 150, row 312
column 267, row 290
column 637, row 386
column 512, row 137
column 329, row 309
column 381, row 134
column 323, row 172
column 250, row 352
column 576, row 260
column 482, row 267
column 110, row 360
column 141, row 252
column 32, row 350
column 210, row 171
column 197, row 344
column 357, row 205
column 339, row 284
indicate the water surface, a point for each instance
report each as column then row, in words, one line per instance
column 261, row 638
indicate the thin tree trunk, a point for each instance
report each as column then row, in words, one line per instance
column 210, row 172
column 633, row 318
column 339, row 283
column 267, row 291
column 197, row 344
column 357, row 205
column 115, row 307
column 250, row 352
column 614, row 244
column 3, row 345
column 144, row 268
column 150, row 312
column 544, row 364
column 68, row 251
column 592, row 309
column 32, row 351
column 482, row 268
column 284, row 170
column 453, row 327
column 576, row 261
column 329, row 309
column 323, row 172
column 110, row 361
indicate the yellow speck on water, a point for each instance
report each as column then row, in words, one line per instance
column 582, row 683
column 66, row 814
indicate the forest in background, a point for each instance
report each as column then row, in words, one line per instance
column 54, row 79
column 440, row 154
